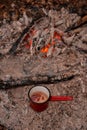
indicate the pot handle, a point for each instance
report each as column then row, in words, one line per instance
column 61, row 98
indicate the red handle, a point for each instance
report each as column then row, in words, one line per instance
column 61, row 98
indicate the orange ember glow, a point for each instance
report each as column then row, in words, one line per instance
column 53, row 43
column 57, row 36
column 26, row 37
column 45, row 48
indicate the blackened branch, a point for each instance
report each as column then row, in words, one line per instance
column 33, row 80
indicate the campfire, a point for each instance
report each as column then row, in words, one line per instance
column 46, row 45
column 44, row 36
column 47, row 37
column 43, row 43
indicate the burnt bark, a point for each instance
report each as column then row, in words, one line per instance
column 2, row 127
column 82, row 50
column 78, row 24
column 33, row 80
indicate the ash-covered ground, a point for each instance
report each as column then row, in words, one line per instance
column 67, row 58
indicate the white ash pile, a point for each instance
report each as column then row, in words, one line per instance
column 44, row 36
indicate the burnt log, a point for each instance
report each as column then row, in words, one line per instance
column 62, row 76
column 36, row 79
column 33, row 80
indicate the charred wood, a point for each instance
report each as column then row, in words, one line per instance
column 82, row 50
column 78, row 24
column 2, row 127
column 15, row 44
column 32, row 80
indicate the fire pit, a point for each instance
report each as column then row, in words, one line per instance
column 43, row 46
column 45, row 51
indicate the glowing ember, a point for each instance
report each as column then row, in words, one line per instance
column 26, row 37
column 30, row 42
column 53, row 43
column 57, row 36
column 46, row 48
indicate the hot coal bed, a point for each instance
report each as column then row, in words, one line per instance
column 43, row 46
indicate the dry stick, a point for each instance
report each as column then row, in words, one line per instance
column 82, row 50
column 61, row 76
column 33, row 80
column 78, row 24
